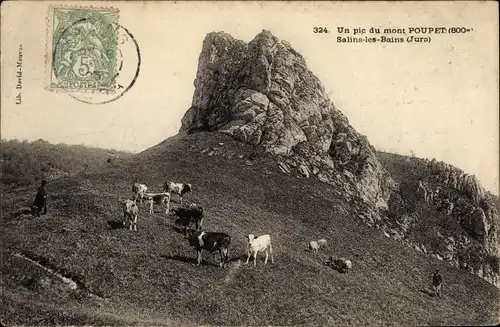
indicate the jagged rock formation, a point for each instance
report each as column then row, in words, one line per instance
column 466, row 219
column 262, row 93
column 468, row 200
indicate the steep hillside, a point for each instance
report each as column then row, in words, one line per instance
column 117, row 277
column 441, row 210
column 262, row 93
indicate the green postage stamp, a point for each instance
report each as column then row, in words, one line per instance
column 82, row 49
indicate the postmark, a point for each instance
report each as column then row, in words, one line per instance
column 90, row 56
column 83, row 49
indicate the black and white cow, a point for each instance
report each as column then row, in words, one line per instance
column 210, row 241
column 178, row 188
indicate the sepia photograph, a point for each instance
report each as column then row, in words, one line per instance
column 249, row 163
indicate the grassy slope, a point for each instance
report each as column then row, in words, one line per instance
column 147, row 277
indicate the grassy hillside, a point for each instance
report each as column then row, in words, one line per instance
column 147, row 277
column 26, row 163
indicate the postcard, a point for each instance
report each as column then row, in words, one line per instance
column 250, row 163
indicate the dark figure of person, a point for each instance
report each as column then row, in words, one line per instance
column 437, row 280
column 40, row 203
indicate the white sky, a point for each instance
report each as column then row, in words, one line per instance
column 439, row 100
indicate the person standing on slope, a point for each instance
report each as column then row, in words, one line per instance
column 40, row 202
column 437, row 280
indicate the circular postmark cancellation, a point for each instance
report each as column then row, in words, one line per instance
column 93, row 58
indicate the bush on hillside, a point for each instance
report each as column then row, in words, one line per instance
column 494, row 262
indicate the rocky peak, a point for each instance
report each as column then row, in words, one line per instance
column 262, row 93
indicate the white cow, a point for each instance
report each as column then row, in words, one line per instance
column 178, row 188
column 158, row 198
column 257, row 244
column 130, row 213
column 313, row 246
column 138, row 191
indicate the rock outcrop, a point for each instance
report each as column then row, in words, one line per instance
column 262, row 93
column 465, row 219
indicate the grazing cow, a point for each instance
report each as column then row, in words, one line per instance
column 138, row 191
column 313, row 246
column 322, row 243
column 158, row 198
column 189, row 215
column 130, row 213
column 210, row 241
column 341, row 264
column 259, row 243
column 178, row 188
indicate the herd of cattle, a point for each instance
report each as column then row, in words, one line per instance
column 203, row 240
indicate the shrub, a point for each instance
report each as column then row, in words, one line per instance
column 494, row 262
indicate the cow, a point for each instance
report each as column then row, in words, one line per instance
column 342, row 265
column 257, row 244
column 178, row 188
column 138, row 191
column 210, row 241
column 313, row 246
column 322, row 243
column 130, row 213
column 193, row 213
column 158, row 198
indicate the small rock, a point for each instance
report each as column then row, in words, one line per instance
column 304, row 171
column 323, row 177
column 221, row 143
column 284, row 167
column 240, row 156
column 211, row 153
column 204, row 150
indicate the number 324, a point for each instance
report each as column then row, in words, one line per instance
column 320, row 30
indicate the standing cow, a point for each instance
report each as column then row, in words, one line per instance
column 130, row 213
column 138, row 191
column 210, row 241
column 257, row 244
column 189, row 215
column 178, row 188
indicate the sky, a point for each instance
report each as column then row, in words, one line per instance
column 436, row 100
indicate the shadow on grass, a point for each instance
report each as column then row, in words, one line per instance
column 180, row 258
column 429, row 292
column 185, row 259
column 178, row 229
column 115, row 224
column 214, row 259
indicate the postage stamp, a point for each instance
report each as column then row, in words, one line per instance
column 82, row 49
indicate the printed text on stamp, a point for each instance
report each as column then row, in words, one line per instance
column 84, row 49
